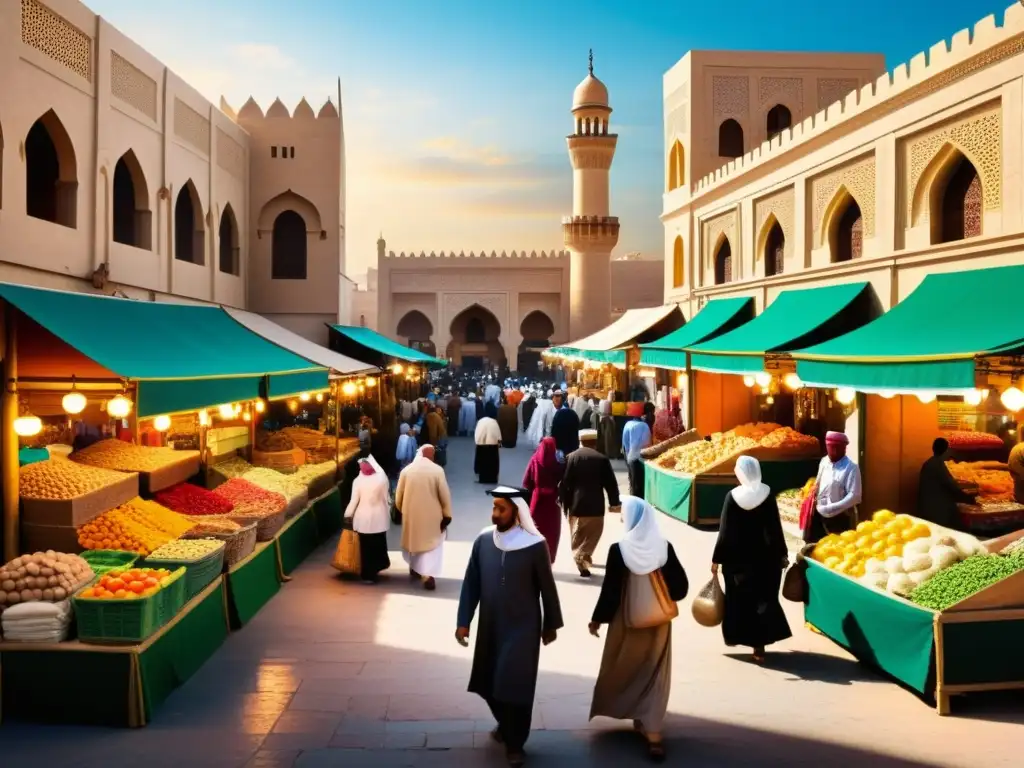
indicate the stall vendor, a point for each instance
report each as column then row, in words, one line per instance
column 837, row 491
column 938, row 492
column 1016, row 465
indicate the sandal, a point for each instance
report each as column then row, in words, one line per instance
column 758, row 656
column 430, row 585
column 656, row 751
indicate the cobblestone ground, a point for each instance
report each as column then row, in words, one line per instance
column 333, row 673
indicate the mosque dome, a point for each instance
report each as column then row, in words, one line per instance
column 590, row 93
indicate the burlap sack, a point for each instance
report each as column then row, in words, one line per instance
column 709, row 605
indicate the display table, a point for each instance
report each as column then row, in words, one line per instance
column 251, row 583
column 111, row 685
column 328, row 510
column 972, row 646
column 698, row 499
column 297, row 540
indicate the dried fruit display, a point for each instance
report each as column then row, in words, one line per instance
column 126, row 457
column 308, row 439
column 309, row 473
column 186, row 550
column 206, row 526
column 138, row 526
column 288, row 486
column 189, row 499
column 58, row 478
column 696, row 457
column 992, row 479
column 966, row 441
column 127, row 585
column 43, row 576
column 250, row 500
column 271, row 442
column 236, row 466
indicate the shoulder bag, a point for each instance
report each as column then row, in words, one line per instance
column 648, row 602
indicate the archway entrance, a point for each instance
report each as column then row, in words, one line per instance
column 417, row 330
column 536, row 330
column 475, row 344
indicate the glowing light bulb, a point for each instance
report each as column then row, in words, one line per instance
column 28, row 426
column 1012, row 399
column 973, row 397
column 73, row 402
column 226, row 411
column 792, row 381
column 763, row 379
column 260, row 406
column 162, row 423
column 770, row 400
column 348, row 389
column 304, row 397
column 371, row 382
column 293, row 405
column 397, row 369
column 319, row 397
column 926, row 397
column 247, row 416
column 119, row 407
column 204, row 419
column 845, row 395
column 748, row 381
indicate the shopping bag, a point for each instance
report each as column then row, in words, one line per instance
column 794, row 584
column 648, row 602
column 346, row 556
column 709, row 606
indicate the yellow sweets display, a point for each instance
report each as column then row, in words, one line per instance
column 58, row 479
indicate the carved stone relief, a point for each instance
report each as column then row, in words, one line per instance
column 858, row 176
column 781, row 205
column 495, row 303
column 788, row 91
column 724, row 223
column 731, row 96
column 516, row 280
column 833, row 89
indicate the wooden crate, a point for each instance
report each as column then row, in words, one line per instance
column 282, row 461
column 39, row 538
column 171, row 474
column 80, row 510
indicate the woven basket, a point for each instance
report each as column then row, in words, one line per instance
column 238, row 545
column 267, row 526
column 295, row 505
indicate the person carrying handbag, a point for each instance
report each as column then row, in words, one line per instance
column 643, row 582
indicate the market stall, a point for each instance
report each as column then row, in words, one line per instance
column 748, row 399
column 935, row 609
column 946, row 361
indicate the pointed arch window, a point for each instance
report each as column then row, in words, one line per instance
column 730, row 139
column 678, row 265
column 723, row 262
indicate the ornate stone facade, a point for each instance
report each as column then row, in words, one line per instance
column 56, row 37
column 714, row 228
column 132, row 86
column 780, row 205
column 858, row 177
column 788, row 91
column 731, row 96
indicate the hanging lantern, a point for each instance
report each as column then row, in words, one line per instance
column 770, row 400
column 748, row 381
column 763, row 379
column 260, row 406
column 304, row 397
column 319, row 397
column 973, row 397
column 348, row 389
column 926, row 397
column 845, row 395
column 1012, row 399
column 73, row 402
column 28, row 425
column 119, row 406
column 371, row 382
column 681, row 380
column 162, row 423
column 226, row 411
column 293, row 405
column 792, row 382
column 397, row 369
column 247, row 416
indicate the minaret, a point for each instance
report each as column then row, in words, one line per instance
column 590, row 233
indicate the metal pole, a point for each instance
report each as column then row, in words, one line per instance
column 8, row 439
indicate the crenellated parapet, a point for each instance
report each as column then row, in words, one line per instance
column 549, row 255
column 583, row 233
column 252, row 112
column 968, row 51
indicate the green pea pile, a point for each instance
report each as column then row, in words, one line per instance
column 951, row 585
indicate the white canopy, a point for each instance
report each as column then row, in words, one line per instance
column 623, row 331
column 298, row 345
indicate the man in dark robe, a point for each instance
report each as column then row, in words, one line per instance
column 938, row 492
column 509, row 577
column 508, row 422
column 529, row 405
column 588, row 477
column 454, row 408
column 565, row 425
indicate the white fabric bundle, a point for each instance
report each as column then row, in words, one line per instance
column 37, row 622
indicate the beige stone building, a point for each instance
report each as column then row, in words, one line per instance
column 117, row 176
column 798, row 170
column 491, row 310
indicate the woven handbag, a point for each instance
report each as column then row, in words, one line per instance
column 346, row 556
column 648, row 602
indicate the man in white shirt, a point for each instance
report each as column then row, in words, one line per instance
column 837, row 491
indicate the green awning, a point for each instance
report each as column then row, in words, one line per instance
column 185, row 344
column 930, row 340
column 794, row 320
column 285, row 384
column 380, row 345
column 611, row 356
column 718, row 316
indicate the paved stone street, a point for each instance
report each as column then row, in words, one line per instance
column 333, row 673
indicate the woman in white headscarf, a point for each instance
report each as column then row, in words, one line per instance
column 369, row 509
column 636, row 667
column 752, row 554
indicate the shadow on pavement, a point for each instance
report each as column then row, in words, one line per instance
column 811, row 666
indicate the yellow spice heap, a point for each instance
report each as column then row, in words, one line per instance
column 138, row 526
column 117, row 454
column 60, row 479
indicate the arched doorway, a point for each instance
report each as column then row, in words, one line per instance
column 189, row 232
column 845, row 228
column 417, row 330
column 51, row 172
column 227, row 239
column 536, row 330
column 475, row 344
column 288, row 251
column 132, row 221
column 961, row 202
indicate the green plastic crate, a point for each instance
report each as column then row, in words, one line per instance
column 105, row 560
column 129, row 621
column 199, row 573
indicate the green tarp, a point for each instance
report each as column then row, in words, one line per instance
column 251, row 583
column 930, row 339
column 792, row 321
column 187, row 356
column 385, row 346
column 297, row 540
column 285, row 384
column 717, row 316
column 611, row 356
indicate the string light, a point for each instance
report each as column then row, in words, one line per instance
column 162, row 423
column 845, row 395
column 226, row 411
column 748, row 381
column 28, row 426
column 973, row 397
column 260, row 406
column 371, row 382
column 73, row 402
column 763, row 379
column 304, row 397
column 792, row 382
column 1012, row 399
column 319, row 397
column 119, row 406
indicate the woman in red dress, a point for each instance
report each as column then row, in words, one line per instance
column 542, row 478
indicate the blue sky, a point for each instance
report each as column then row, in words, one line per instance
column 456, row 112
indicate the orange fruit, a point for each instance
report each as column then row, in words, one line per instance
column 151, row 582
column 115, row 584
column 136, row 587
